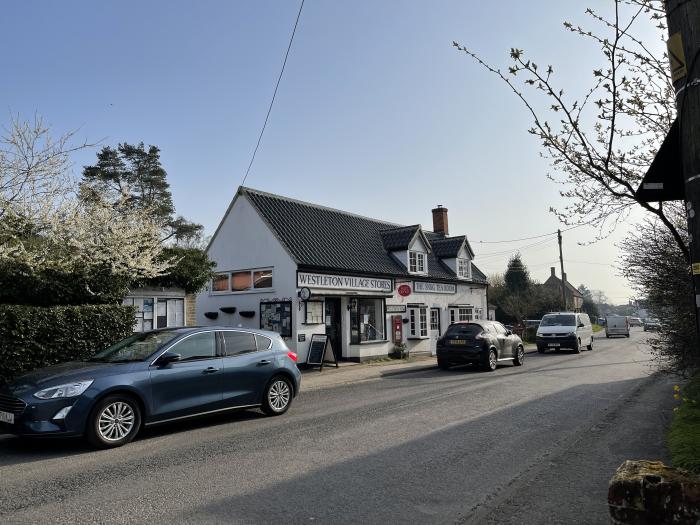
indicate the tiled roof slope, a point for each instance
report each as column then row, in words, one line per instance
column 398, row 238
column 326, row 238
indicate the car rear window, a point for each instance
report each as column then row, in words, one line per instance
column 464, row 330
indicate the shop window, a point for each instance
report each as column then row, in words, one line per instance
column 416, row 262
column 277, row 317
column 314, row 312
column 418, row 322
column 367, row 320
column 220, row 283
column 154, row 312
column 464, row 268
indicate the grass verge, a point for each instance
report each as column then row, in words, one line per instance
column 684, row 435
column 597, row 328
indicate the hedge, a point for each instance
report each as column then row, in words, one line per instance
column 34, row 336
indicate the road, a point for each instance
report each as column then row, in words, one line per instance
column 535, row 444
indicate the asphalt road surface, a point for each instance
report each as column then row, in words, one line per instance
column 535, row 444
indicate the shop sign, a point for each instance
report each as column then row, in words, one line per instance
column 423, row 287
column 395, row 308
column 404, row 290
column 343, row 282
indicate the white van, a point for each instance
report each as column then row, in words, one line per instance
column 617, row 325
column 564, row 330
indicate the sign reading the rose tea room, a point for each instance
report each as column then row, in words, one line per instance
column 423, row 287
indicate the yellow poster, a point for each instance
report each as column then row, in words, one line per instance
column 676, row 56
column 696, row 268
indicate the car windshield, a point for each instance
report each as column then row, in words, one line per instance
column 558, row 320
column 463, row 330
column 652, row 321
column 135, row 348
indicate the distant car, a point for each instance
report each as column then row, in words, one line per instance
column 635, row 321
column 484, row 343
column 151, row 378
column 652, row 325
column 617, row 325
column 564, row 330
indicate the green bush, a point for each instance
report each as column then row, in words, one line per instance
column 34, row 336
column 684, row 435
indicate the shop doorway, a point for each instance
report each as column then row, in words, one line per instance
column 434, row 329
column 334, row 325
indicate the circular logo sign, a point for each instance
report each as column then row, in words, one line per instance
column 304, row 294
column 404, row 290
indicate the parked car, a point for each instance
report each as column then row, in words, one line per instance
column 652, row 325
column 564, row 330
column 480, row 342
column 152, row 378
column 617, row 325
column 635, row 321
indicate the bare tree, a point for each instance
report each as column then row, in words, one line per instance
column 601, row 141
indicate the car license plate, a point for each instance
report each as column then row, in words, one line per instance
column 458, row 342
column 7, row 417
column 554, row 345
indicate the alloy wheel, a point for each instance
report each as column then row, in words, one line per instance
column 521, row 354
column 493, row 360
column 279, row 395
column 116, row 421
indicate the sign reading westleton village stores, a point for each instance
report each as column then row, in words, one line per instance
column 423, row 287
column 344, row 282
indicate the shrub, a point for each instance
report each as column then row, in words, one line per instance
column 684, row 435
column 33, row 336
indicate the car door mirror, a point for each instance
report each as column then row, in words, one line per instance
column 581, row 325
column 167, row 358
column 509, row 332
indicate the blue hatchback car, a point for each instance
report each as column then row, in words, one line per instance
column 151, row 378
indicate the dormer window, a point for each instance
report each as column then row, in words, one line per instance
column 463, row 268
column 416, row 262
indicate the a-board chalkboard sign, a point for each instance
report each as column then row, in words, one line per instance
column 318, row 349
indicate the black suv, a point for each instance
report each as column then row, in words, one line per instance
column 481, row 342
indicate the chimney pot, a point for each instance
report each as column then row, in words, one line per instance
column 440, row 220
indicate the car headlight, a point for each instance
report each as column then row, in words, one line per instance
column 538, row 334
column 571, row 334
column 67, row 390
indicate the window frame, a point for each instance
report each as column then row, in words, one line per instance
column 217, row 348
column 417, row 314
column 464, row 268
column 355, row 326
column 414, row 257
column 306, row 312
column 252, row 289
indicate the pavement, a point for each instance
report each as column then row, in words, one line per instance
column 532, row 444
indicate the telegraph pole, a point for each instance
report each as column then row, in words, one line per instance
column 683, row 18
column 563, row 285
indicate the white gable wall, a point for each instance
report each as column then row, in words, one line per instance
column 243, row 242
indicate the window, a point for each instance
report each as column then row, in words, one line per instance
column 220, row 283
column 463, row 268
column 418, row 322
column 237, row 343
column 478, row 313
column 367, row 321
column 153, row 312
column 416, row 262
column 434, row 319
column 242, row 281
column 314, row 312
column 461, row 313
column 264, row 343
column 500, row 329
column 197, row 346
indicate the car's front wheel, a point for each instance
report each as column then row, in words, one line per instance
column 519, row 358
column 278, row 396
column 114, row 422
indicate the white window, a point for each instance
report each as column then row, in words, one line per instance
column 242, row 281
column 462, row 313
column 418, row 322
column 464, row 268
column 416, row 262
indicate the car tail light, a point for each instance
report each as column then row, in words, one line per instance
column 480, row 335
column 292, row 355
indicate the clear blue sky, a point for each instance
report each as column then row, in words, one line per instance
column 377, row 113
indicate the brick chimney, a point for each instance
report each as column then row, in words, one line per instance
column 440, row 220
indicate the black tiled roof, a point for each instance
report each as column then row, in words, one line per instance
column 328, row 239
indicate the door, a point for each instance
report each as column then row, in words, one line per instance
column 249, row 363
column 334, row 327
column 435, row 331
column 191, row 385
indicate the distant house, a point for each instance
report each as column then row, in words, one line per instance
column 574, row 299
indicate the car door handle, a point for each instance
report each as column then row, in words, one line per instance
column 210, row 370
column 264, row 362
